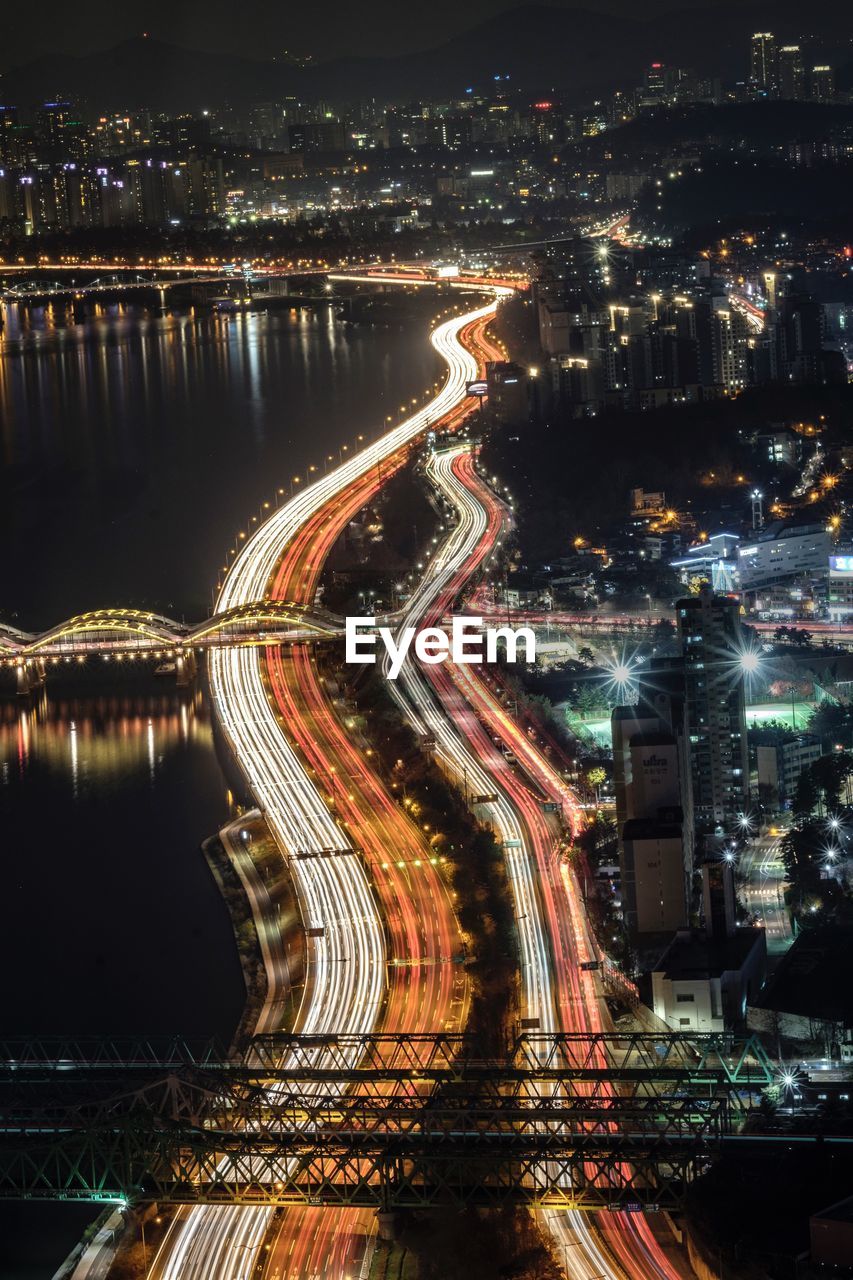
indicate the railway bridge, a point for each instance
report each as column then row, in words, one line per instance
column 575, row 1120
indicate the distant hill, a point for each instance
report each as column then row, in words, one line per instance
column 575, row 52
column 145, row 73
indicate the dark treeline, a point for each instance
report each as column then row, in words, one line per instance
column 574, row 477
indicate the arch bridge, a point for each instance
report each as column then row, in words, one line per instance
column 22, row 290
column 135, row 633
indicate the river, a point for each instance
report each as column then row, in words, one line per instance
column 133, row 449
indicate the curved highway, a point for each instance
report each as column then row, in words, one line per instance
column 347, row 961
column 554, row 939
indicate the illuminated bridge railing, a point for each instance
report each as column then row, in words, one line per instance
column 131, row 631
column 573, row 1121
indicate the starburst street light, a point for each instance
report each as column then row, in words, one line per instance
column 788, row 1079
column 748, row 662
column 621, row 678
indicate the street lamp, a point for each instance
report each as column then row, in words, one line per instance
column 621, row 677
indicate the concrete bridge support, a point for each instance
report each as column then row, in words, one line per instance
column 387, row 1226
column 30, row 675
column 186, row 668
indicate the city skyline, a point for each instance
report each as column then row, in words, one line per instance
column 426, row 649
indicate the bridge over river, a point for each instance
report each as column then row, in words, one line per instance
column 133, row 633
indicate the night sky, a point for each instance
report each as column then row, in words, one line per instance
column 261, row 28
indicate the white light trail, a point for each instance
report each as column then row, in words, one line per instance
column 346, row 978
column 587, row 1260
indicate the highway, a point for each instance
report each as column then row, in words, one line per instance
column 346, row 987
column 426, row 986
column 456, row 707
column 763, row 894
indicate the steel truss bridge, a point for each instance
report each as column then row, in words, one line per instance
column 589, row 1121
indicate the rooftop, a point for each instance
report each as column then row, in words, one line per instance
column 694, row 955
column 813, row 978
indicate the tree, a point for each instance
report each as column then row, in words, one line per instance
column 805, row 796
column 801, row 848
column 595, row 777
column 589, row 700
column 663, row 631
column 829, row 774
column 829, row 719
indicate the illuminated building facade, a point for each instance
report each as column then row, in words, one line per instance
column 710, row 637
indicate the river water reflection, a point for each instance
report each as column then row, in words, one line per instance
column 133, row 448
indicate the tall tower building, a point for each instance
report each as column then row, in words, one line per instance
column 792, row 75
column 51, row 119
column 711, row 646
column 658, row 85
column 764, row 62
column 822, row 84
column 8, row 127
column 654, row 812
column 730, row 334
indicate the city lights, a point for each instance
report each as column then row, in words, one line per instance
column 436, row 436
column 620, row 681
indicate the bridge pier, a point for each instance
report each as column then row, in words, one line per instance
column 186, row 668
column 386, row 1225
column 30, row 676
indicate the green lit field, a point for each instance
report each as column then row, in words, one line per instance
column 758, row 714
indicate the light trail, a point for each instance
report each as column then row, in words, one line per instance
column 346, row 970
column 450, row 721
column 553, row 932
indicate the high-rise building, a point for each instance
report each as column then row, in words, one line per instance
column 792, row 74
column 51, row 119
column 654, row 813
column 822, row 84
column 730, row 333
column 712, row 650
column 206, row 186
column 75, row 196
column 658, row 86
column 8, row 126
column 764, row 62
column 325, row 135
